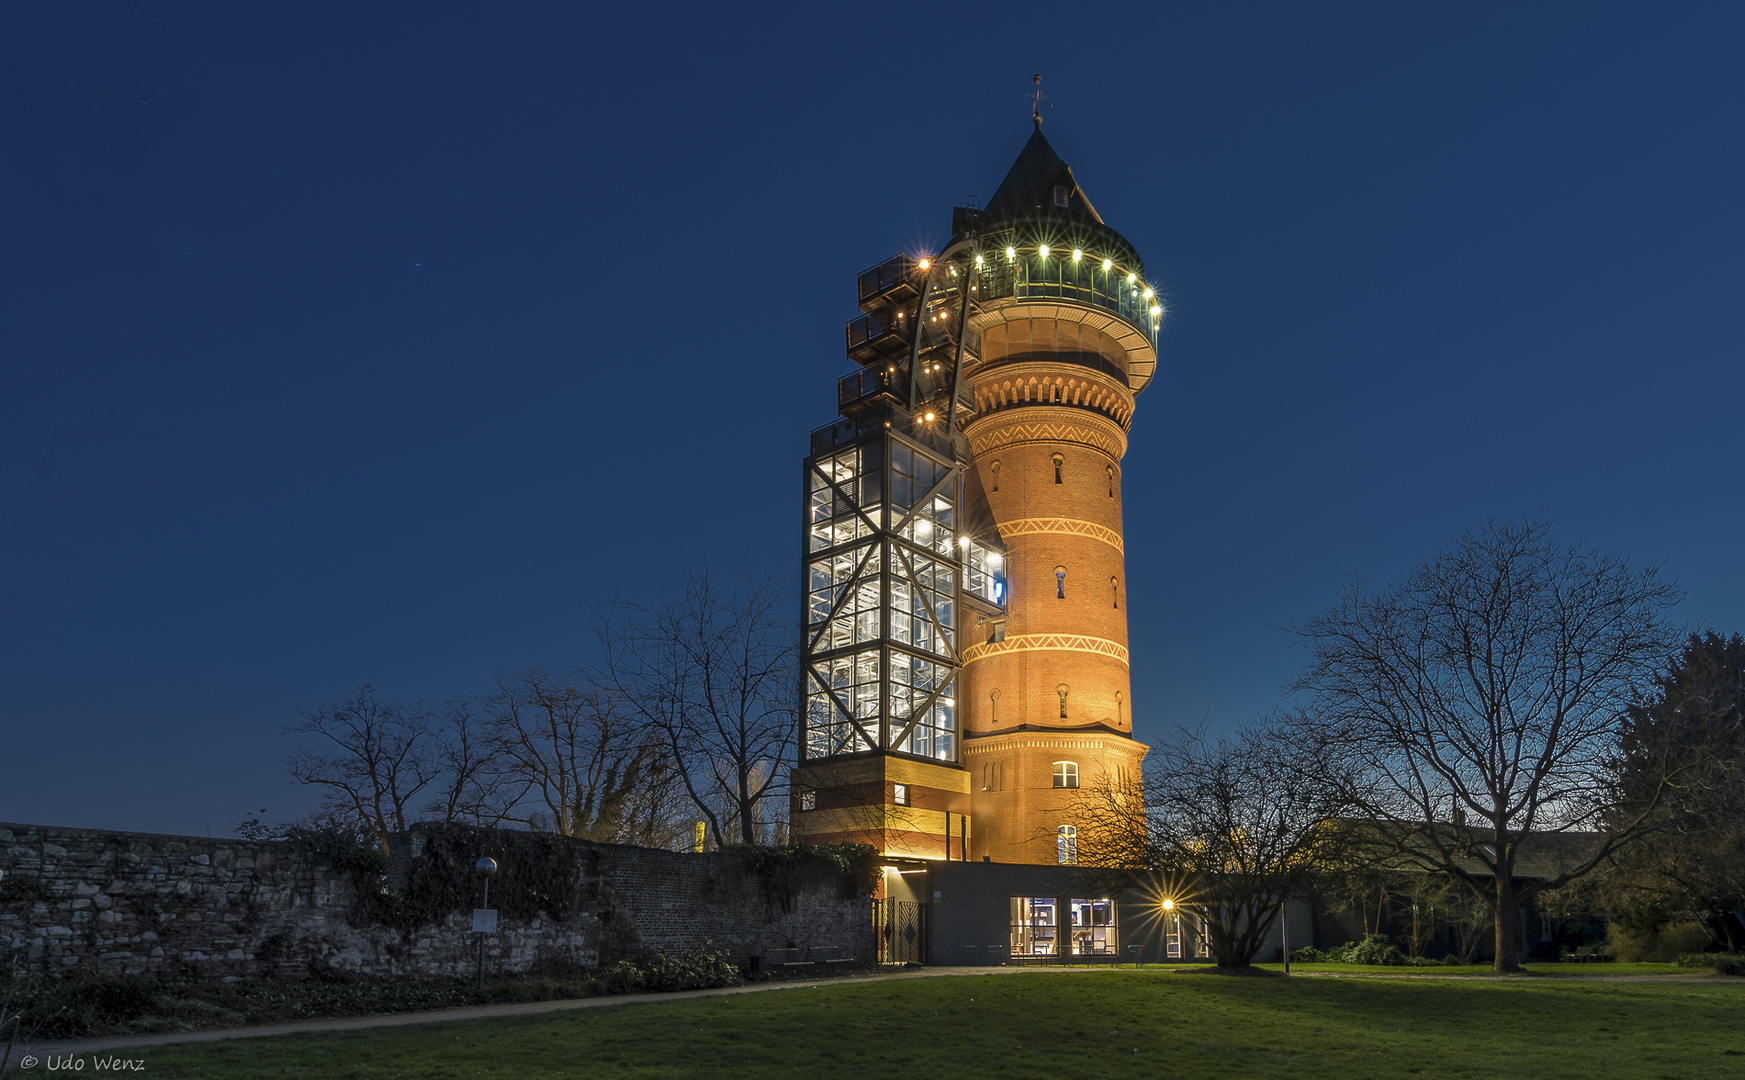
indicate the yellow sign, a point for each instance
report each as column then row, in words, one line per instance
column 698, row 844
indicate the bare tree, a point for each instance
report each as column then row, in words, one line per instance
column 586, row 768
column 709, row 665
column 372, row 759
column 1487, row 685
column 1226, row 828
column 472, row 785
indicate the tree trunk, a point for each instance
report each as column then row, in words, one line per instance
column 1508, row 926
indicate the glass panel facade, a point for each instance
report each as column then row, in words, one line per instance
column 985, row 573
column 1093, row 928
column 924, row 604
column 913, row 682
column 854, row 597
column 834, row 490
column 882, row 603
column 1035, row 926
column 839, row 691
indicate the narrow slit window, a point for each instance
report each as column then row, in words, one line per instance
column 1060, row 583
column 1058, row 462
column 995, row 470
column 1111, row 469
column 1115, row 590
column 1062, row 691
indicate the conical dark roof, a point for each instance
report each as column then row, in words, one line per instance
column 1036, row 184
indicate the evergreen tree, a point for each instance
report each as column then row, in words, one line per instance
column 1691, row 730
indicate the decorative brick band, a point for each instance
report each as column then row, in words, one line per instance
column 999, row 744
column 1047, row 643
column 1068, row 526
column 990, row 433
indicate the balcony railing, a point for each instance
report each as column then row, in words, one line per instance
column 870, row 382
column 891, row 275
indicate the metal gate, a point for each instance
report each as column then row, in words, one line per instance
column 901, row 929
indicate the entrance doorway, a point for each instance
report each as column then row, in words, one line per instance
column 900, row 926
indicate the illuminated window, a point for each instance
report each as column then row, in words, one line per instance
column 900, row 794
column 1034, row 925
column 1066, row 774
column 808, row 800
column 1066, row 845
column 1093, row 927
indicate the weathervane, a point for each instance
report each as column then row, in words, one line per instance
column 1036, row 99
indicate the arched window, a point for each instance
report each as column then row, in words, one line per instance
column 1058, row 462
column 1066, row 845
column 1062, row 691
column 1060, row 583
column 1066, row 774
column 994, row 707
column 1120, row 707
column 1115, row 590
column 995, row 470
column 1111, row 469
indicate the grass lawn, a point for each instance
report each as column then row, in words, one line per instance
column 1550, row 969
column 1089, row 1024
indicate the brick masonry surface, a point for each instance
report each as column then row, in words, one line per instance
column 137, row 903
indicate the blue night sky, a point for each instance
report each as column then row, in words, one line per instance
column 344, row 345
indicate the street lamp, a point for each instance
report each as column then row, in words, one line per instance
column 484, row 919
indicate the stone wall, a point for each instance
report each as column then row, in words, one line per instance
column 137, row 903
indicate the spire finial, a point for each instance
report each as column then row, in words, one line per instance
column 1036, row 99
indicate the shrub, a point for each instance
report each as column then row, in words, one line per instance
column 1722, row 963
column 1308, row 954
column 1375, row 949
column 1451, row 960
column 1664, row 944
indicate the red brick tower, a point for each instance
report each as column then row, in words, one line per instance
column 1061, row 360
column 966, row 647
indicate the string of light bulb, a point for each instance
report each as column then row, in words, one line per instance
column 1107, row 265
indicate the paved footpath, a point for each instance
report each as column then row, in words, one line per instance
column 529, row 1008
